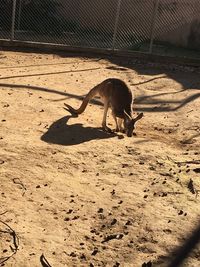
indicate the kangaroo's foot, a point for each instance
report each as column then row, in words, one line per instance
column 116, row 130
column 119, row 130
column 107, row 129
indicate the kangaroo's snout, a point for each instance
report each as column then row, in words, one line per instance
column 129, row 134
column 130, row 126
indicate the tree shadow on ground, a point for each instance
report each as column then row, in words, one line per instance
column 177, row 257
column 48, row 90
column 158, row 102
column 150, row 104
column 184, row 74
column 46, row 73
column 143, row 64
column 187, row 79
column 61, row 133
column 144, row 103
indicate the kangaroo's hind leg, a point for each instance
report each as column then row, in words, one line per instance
column 104, row 125
column 117, row 129
column 120, row 122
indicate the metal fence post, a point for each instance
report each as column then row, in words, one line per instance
column 19, row 15
column 153, row 25
column 13, row 20
column 116, row 24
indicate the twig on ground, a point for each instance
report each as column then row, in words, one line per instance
column 15, row 242
column 3, row 213
column 187, row 162
column 44, row 261
column 18, row 181
column 191, row 188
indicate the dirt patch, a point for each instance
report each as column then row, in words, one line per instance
column 77, row 196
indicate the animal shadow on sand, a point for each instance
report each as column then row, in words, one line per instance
column 63, row 134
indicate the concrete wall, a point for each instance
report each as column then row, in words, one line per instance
column 101, row 14
column 177, row 21
column 93, row 14
column 194, row 36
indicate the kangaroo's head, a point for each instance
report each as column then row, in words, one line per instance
column 129, row 123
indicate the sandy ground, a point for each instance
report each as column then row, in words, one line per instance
column 77, row 196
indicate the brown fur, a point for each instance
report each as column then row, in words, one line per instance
column 115, row 94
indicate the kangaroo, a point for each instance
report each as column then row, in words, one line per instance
column 114, row 93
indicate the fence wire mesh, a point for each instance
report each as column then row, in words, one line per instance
column 135, row 22
column 6, row 8
column 132, row 25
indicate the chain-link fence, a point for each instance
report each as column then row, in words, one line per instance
column 152, row 26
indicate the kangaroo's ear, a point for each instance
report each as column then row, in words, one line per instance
column 139, row 116
column 127, row 115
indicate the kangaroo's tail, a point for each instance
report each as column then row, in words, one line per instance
column 92, row 93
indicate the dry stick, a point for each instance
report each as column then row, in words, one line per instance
column 191, row 187
column 44, row 261
column 20, row 183
column 150, row 80
column 3, row 213
column 188, row 162
column 15, row 242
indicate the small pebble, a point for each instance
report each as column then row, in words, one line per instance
column 114, row 221
column 95, row 251
column 100, row 210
